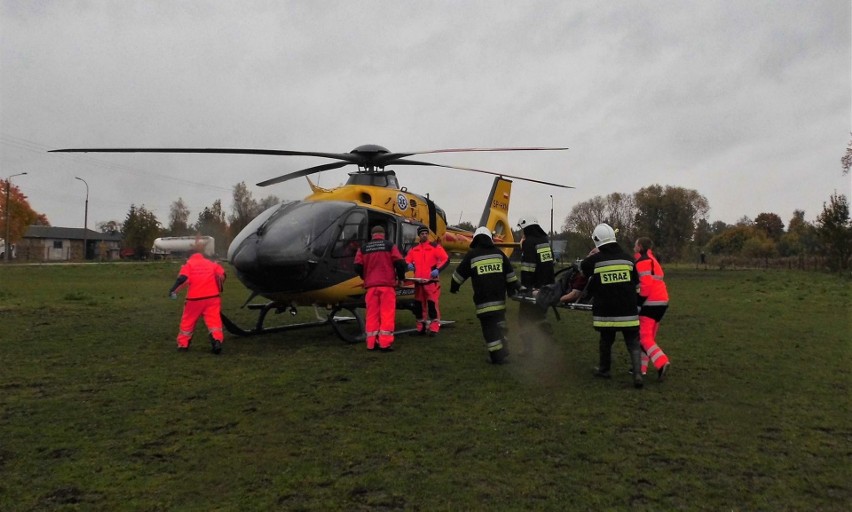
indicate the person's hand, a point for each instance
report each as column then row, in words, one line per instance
column 173, row 295
column 434, row 273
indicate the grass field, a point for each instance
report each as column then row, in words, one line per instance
column 99, row 412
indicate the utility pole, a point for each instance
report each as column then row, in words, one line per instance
column 551, row 223
column 85, row 220
column 8, row 244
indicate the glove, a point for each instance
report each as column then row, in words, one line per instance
column 434, row 273
column 411, row 267
column 173, row 295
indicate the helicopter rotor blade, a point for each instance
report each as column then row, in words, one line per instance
column 391, row 157
column 348, row 157
column 303, row 172
column 429, row 164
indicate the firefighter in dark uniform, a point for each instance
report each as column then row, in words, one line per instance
column 536, row 271
column 492, row 275
column 612, row 284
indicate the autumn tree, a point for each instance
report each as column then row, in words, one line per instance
column 669, row 216
column 139, row 229
column 179, row 218
column 731, row 241
column 759, row 246
column 800, row 238
column 211, row 222
column 770, row 224
column 834, row 230
column 703, row 233
column 718, row 227
column 21, row 214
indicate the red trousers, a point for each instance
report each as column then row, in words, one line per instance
column 648, row 328
column 428, row 294
column 192, row 310
column 381, row 316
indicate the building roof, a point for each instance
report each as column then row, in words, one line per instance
column 70, row 234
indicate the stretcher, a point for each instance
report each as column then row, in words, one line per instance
column 530, row 299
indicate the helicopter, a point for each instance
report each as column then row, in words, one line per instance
column 301, row 253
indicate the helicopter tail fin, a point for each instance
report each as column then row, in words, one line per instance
column 495, row 215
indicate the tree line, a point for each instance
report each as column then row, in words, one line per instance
column 676, row 219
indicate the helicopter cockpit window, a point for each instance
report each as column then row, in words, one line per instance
column 352, row 235
column 387, row 179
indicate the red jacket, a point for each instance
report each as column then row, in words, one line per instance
column 651, row 280
column 427, row 256
column 379, row 263
column 204, row 277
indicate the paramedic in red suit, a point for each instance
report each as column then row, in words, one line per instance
column 204, row 280
column 427, row 259
column 382, row 267
column 653, row 303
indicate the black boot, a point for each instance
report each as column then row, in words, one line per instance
column 499, row 356
column 636, row 362
column 215, row 345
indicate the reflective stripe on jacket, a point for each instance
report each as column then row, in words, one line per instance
column 380, row 262
column 612, row 284
column 652, row 283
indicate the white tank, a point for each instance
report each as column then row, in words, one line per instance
column 169, row 244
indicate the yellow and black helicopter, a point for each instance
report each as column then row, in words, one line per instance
column 301, row 253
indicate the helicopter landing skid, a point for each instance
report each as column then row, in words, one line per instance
column 348, row 327
column 444, row 323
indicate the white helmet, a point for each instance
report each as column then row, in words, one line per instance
column 603, row 234
column 482, row 231
column 527, row 222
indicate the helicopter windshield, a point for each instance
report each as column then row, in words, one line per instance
column 304, row 226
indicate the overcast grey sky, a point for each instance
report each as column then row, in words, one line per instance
column 749, row 103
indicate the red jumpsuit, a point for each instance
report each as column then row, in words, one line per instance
column 381, row 266
column 428, row 257
column 204, row 279
column 654, row 299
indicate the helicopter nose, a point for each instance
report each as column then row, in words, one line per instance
column 244, row 256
